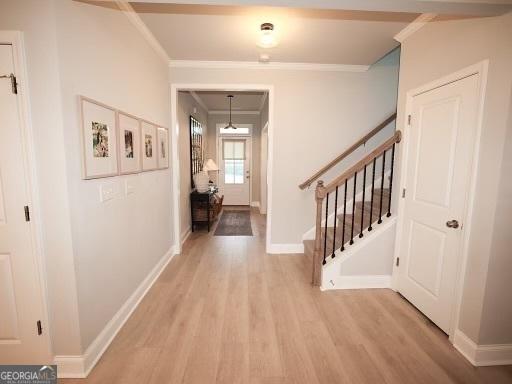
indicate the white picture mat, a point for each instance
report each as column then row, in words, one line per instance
column 129, row 123
column 163, row 142
column 95, row 167
column 149, row 163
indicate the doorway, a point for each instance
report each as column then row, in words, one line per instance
column 437, row 170
column 22, row 337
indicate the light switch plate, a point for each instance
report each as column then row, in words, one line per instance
column 129, row 187
column 107, row 192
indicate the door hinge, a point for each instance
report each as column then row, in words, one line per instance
column 409, row 120
column 403, row 193
column 39, row 328
column 27, row 213
column 14, row 83
column 397, row 262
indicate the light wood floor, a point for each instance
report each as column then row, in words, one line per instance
column 225, row 312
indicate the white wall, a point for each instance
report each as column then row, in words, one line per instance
column 186, row 105
column 438, row 49
column 115, row 244
column 95, row 254
column 316, row 116
column 213, row 120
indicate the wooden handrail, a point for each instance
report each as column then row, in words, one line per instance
column 359, row 165
column 347, row 152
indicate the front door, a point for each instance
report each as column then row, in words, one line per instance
column 235, row 174
column 20, row 296
column 438, row 170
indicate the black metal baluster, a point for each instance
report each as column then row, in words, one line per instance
column 335, row 220
column 344, row 215
column 362, row 205
column 373, row 192
column 382, row 186
column 353, row 209
column 391, row 179
column 325, row 230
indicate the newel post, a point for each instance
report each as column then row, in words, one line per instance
column 317, row 257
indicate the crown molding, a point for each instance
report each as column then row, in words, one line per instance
column 199, row 100
column 234, row 112
column 414, row 26
column 271, row 65
column 137, row 22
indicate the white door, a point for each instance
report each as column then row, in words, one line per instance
column 235, row 173
column 20, row 296
column 438, row 170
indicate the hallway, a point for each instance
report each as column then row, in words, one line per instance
column 225, row 312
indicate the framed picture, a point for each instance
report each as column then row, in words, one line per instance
column 149, row 146
column 99, row 141
column 163, row 148
column 196, row 148
column 129, row 143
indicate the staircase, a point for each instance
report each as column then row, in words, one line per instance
column 354, row 203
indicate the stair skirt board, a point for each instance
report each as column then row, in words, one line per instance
column 358, row 282
column 310, row 234
column 331, row 272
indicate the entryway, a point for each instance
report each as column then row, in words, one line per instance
column 438, row 161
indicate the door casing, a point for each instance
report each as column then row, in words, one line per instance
column 15, row 39
column 480, row 69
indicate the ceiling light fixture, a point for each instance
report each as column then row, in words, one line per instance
column 230, row 125
column 267, row 36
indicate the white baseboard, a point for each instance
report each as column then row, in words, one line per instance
column 80, row 366
column 184, row 236
column 358, row 282
column 255, row 204
column 482, row 355
column 285, row 248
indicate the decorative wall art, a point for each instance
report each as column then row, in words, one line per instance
column 149, row 146
column 163, row 148
column 196, row 148
column 129, row 144
column 99, row 144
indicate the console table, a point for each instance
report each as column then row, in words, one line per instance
column 205, row 207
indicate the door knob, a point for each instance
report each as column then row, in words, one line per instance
column 452, row 224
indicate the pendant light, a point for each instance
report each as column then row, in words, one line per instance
column 230, row 125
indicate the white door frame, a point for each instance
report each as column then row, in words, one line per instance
column 175, row 88
column 15, row 39
column 248, row 139
column 480, row 69
column 263, row 180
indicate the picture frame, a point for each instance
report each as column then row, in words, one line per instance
column 99, row 139
column 129, row 133
column 148, row 145
column 163, row 148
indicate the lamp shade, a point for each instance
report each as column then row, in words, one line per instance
column 210, row 166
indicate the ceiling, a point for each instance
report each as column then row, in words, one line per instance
column 230, row 33
column 243, row 101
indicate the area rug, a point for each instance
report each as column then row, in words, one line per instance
column 234, row 223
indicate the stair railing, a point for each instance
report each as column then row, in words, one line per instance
column 323, row 192
column 348, row 151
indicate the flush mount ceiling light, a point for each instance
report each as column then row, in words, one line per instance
column 230, row 125
column 267, row 36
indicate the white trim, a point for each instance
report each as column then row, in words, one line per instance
column 186, row 235
column 80, row 366
column 175, row 134
column 414, row 26
column 482, row 355
column 199, row 101
column 255, row 204
column 285, row 248
column 272, row 65
column 15, row 38
column 481, row 70
column 137, row 22
column 217, row 112
column 358, row 282
column 263, row 99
